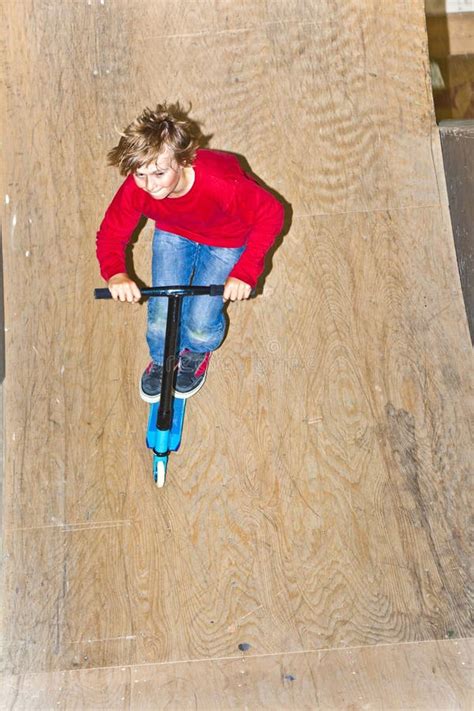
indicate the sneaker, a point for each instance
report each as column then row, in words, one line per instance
column 150, row 383
column 192, row 373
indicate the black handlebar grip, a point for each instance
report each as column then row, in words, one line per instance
column 102, row 294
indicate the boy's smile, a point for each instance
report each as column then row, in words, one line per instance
column 164, row 177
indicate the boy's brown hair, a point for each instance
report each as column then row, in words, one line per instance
column 151, row 132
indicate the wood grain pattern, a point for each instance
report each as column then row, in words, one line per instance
column 422, row 676
column 320, row 499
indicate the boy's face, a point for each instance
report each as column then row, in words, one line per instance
column 161, row 177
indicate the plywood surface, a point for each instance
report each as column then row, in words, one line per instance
column 289, row 517
column 320, row 499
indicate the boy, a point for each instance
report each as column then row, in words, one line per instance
column 214, row 225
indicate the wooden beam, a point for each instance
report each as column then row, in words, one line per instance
column 451, row 35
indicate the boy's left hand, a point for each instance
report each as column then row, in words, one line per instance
column 236, row 290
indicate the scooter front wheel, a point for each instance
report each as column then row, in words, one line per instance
column 159, row 470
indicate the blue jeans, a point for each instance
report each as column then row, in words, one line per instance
column 177, row 260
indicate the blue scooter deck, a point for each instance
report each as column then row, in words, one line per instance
column 166, row 440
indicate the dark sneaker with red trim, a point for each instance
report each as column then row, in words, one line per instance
column 192, row 373
column 150, row 383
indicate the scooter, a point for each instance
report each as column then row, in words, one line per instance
column 166, row 418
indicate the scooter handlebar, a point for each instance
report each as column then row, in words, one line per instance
column 211, row 290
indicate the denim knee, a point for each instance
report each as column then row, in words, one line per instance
column 203, row 339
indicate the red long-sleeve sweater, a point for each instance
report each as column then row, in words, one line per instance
column 224, row 208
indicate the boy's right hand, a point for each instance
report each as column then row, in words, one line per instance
column 123, row 288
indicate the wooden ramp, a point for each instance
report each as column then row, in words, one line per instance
column 309, row 550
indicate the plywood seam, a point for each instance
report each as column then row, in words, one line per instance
column 367, row 212
column 233, row 30
column 243, row 657
column 72, row 527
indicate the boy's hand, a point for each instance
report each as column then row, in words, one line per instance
column 236, row 290
column 123, row 288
